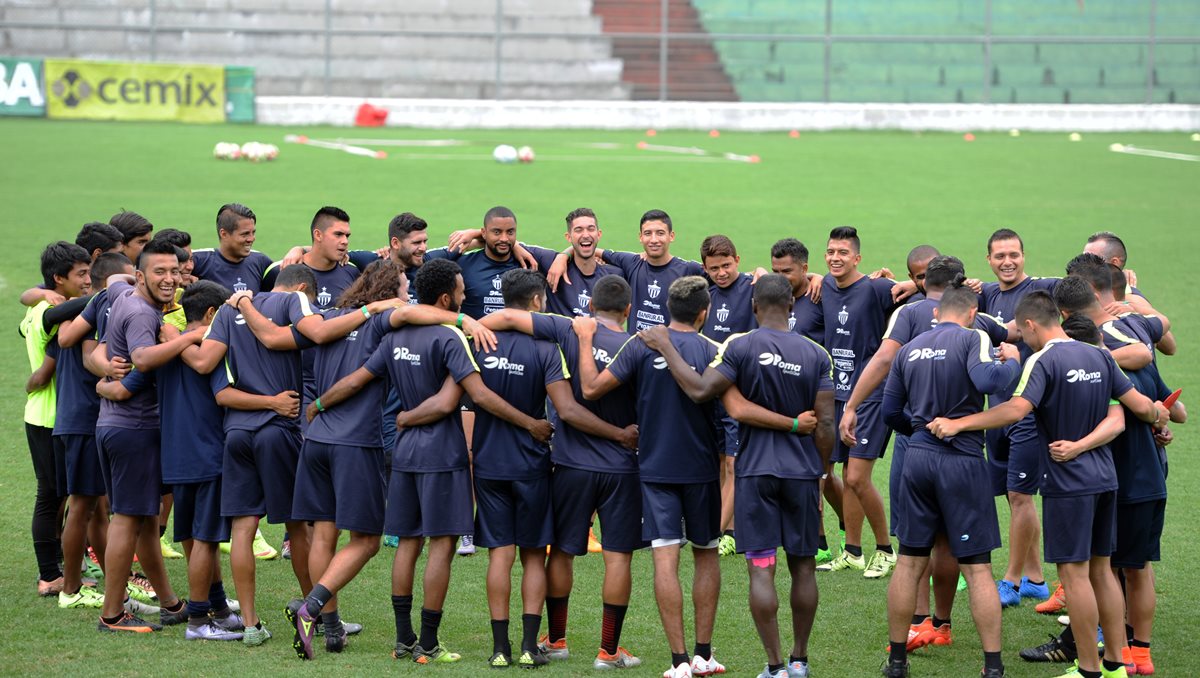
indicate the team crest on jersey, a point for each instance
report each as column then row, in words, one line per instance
column 792, row 321
column 239, row 286
column 239, row 319
column 324, row 297
column 660, row 363
column 653, row 289
column 843, row 316
column 722, row 313
column 496, row 283
column 584, row 299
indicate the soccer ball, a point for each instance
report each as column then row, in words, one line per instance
column 253, row 151
column 525, row 154
column 225, row 150
column 504, row 154
column 271, row 151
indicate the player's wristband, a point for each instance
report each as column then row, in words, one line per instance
column 458, row 322
column 795, row 424
column 320, row 407
column 365, row 312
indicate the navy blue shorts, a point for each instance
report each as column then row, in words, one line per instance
column 944, row 492
column 342, row 484
column 131, row 465
column 615, row 497
column 1139, row 533
column 1076, row 529
column 513, row 513
column 899, row 447
column 259, row 472
column 727, row 431
column 82, row 462
column 996, row 443
column 198, row 512
column 873, row 434
column 434, row 504
column 671, row 511
column 771, row 512
column 1027, row 449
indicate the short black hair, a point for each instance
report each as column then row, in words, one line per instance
column 59, row 258
column 1004, row 234
column 847, row 233
column 1118, row 281
column 688, row 297
column 326, row 217
column 1039, row 307
column 175, row 236
column 790, row 247
column 519, row 287
column 579, row 212
column 656, row 215
column 107, row 264
column 921, row 253
column 611, row 294
column 403, row 224
column 230, row 214
column 131, row 225
column 773, row 291
column 97, row 235
column 1091, row 268
column 1114, row 247
column 200, row 296
column 1081, row 328
column 498, row 212
column 944, row 272
column 297, row 274
column 717, row 246
column 1073, row 294
column 958, row 299
column 159, row 246
column 435, row 278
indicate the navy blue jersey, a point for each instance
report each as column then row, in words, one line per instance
column 330, row 282
column 855, row 318
column 649, row 285
column 1130, row 328
column 96, row 313
column 252, row 367
column 1140, row 475
column 944, row 372
column 783, row 372
column 246, row 274
column 133, row 323
column 78, row 404
column 808, row 318
column 573, row 298
column 193, row 438
column 1002, row 305
column 914, row 318
column 519, row 370
column 481, row 277
column 417, row 359
column 1071, row 385
column 571, row 447
column 730, row 310
column 357, row 421
column 677, row 438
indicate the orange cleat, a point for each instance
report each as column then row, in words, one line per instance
column 593, row 543
column 1055, row 604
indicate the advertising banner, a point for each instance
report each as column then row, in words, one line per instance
column 21, row 91
column 91, row 90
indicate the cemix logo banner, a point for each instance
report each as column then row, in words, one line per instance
column 134, row 91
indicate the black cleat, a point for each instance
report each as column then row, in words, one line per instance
column 1053, row 651
column 893, row 669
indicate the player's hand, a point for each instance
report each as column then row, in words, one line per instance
column 400, row 423
column 287, row 404
column 558, row 271
column 942, row 427
column 310, row 412
column 1164, row 416
column 814, row 287
column 167, row 332
column 54, row 298
column 117, row 368
column 483, row 338
column 238, row 296
column 524, row 257
column 882, row 273
column 903, row 290
column 629, row 437
column 1131, row 277
column 541, row 430
column 846, row 427
column 383, row 252
column 585, row 328
column 382, row 305
column 459, row 240
column 974, row 284
column 109, row 390
column 293, row 256
column 757, row 273
column 1117, row 308
column 808, row 422
column 1009, row 352
column 1065, row 450
column 1163, row 436
column 656, row 338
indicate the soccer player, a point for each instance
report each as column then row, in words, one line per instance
column 330, row 241
column 944, row 371
column 1070, row 385
column 95, row 237
column 856, row 309
column 429, row 494
column 129, row 440
column 572, row 294
column 1110, row 248
column 234, row 263
column 135, row 231
column 592, row 475
column 780, row 464
column 678, row 466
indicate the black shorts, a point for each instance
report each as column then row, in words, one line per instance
column 513, row 513
column 671, row 511
column 1027, row 449
column 1076, row 529
column 259, row 472
column 1139, row 533
column 82, row 462
column 615, row 497
column 771, row 512
column 727, row 431
column 436, row 504
column 131, row 464
column 943, row 492
column 198, row 512
column 872, row 433
column 342, row 484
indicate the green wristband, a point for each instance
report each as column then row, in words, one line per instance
column 365, row 312
column 458, row 322
column 320, row 407
column 795, row 424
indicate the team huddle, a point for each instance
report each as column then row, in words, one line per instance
column 506, row 395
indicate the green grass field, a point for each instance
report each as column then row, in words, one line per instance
column 899, row 189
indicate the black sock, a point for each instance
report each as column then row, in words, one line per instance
column 991, row 660
column 677, row 659
column 1138, row 643
column 1089, row 674
column 886, row 548
column 727, row 533
column 258, row 626
column 919, row 619
column 530, row 623
column 556, row 617
column 842, row 525
column 775, row 668
column 940, row 622
column 793, row 659
column 822, row 543
column 162, row 531
column 854, row 550
column 1111, row 666
column 898, row 652
column 112, row 620
column 610, row 627
column 218, row 599
column 316, row 599
column 430, row 621
column 176, row 607
column 198, row 611
column 1037, row 583
column 1128, row 632
column 402, row 609
column 331, row 620
column 704, row 650
column 500, row 637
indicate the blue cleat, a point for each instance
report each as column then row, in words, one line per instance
column 1036, row 591
column 1009, row 596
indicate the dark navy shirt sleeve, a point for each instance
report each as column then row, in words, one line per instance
column 457, row 355
column 625, row 366
column 895, row 397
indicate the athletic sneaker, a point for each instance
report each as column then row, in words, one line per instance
column 169, row 618
column 286, row 549
column 962, row 583
column 230, row 622
column 234, row 605
column 137, row 608
column 253, row 637
column 727, row 546
column 914, row 632
column 824, row 556
column 1118, row 672
column 263, row 550
column 844, row 561
column 438, row 655
column 305, row 627
column 556, row 650
column 128, row 623
column 594, row 545
column 351, row 628
column 391, row 541
column 1073, row 673
column 1064, row 619
column 403, row 650
column 210, row 631
column 1030, row 590
column 168, row 551
column 1052, row 651
column 681, row 671
column 992, row 673
column 53, row 587
column 336, row 642
column 91, row 569
column 766, row 673
column 881, row 565
column 621, row 659
column 532, row 660
column 84, row 598
column 707, row 667
column 139, row 587
column 1009, row 596
column 934, row 635
column 797, row 669
column 1055, row 604
column 1143, row 664
column 893, row 669
column 466, row 545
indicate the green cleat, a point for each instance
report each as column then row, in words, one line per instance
column 843, row 561
column 727, row 546
column 253, row 637
column 85, row 598
column 438, row 655
column 881, row 565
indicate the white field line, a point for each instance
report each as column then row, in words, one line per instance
column 1151, row 153
column 428, row 143
column 558, row 158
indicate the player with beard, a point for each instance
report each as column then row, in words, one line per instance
column 234, row 263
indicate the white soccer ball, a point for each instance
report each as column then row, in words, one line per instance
column 1117, row 148
column 253, row 151
column 1075, row 136
column 225, row 150
column 271, row 151
column 505, row 154
column 525, row 154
